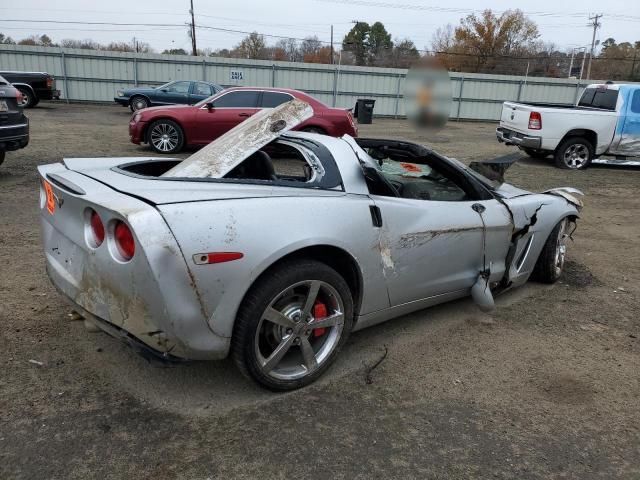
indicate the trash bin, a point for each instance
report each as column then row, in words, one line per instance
column 364, row 110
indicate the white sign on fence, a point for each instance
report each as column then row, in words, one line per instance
column 237, row 75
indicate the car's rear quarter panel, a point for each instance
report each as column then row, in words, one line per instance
column 153, row 296
column 266, row 230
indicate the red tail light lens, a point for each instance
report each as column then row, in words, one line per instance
column 49, row 82
column 97, row 228
column 535, row 121
column 124, row 240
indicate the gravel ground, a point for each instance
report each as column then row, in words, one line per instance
column 546, row 387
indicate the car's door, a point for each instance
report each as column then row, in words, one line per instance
column 627, row 138
column 437, row 232
column 225, row 112
column 174, row 93
column 200, row 91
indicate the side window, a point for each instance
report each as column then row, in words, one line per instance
column 413, row 179
column 238, row 99
column 635, row 102
column 599, row 98
column 179, row 87
column 273, row 99
column 202, row 89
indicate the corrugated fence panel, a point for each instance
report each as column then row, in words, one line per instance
column 88, row 75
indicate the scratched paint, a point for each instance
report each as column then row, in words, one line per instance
column 228, row 151
column 416, row 239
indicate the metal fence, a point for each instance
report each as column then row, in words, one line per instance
column 90, row 75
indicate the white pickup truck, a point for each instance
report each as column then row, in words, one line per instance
column 606, row 121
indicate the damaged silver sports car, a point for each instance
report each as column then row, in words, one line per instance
column 272, row 246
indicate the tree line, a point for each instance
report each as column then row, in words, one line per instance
column 509, row 43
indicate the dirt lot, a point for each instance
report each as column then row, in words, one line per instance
column 546, row 387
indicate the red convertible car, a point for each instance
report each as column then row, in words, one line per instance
column 168, row 129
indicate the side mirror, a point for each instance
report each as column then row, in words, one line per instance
column 210, row 106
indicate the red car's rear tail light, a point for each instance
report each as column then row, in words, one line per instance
column 49, row 82
column 124, row 241
column 535, row 121
column 97, row 228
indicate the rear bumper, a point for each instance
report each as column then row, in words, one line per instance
column 48, row 94
column 14, row 137
column 511, row 137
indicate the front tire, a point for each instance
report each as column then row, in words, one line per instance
column 575, row 153
column 552, row 257
column 292, row 324
column 29, row 100
column 165, row 136
column 138, row 103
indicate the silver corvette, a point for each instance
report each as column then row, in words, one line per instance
column 272, row 246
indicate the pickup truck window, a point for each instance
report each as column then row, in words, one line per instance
column 599, row 98
column 635, row 102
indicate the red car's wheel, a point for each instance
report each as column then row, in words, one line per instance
column 165, row 136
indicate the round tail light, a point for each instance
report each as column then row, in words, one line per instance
column 97, row 228
column 124, row 240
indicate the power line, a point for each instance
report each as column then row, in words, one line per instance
column 596, row 24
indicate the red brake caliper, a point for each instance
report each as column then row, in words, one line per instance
column 319, row 312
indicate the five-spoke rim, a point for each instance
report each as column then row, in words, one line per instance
column 576, row 155
column 25, row 99
column 561, row 248
column 164, row 137
column 299, row 330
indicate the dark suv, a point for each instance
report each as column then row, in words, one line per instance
column 14, row 125
column 35, row 86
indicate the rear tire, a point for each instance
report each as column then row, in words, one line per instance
column 552, row 257
column 165, row 136
column 272, row 320
column 138, row 102
column 535, row 153
column 575, row 153
column 29, row 100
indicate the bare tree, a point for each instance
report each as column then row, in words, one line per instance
column 252, row 46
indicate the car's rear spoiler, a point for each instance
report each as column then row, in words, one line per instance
column 494, row 169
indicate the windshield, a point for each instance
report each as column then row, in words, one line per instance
column 166, row 85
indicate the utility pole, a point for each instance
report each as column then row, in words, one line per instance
column 596, row 24
column 193, row 31
column 331, row 44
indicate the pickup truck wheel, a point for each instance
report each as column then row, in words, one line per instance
column 292, row 324
column 535, row 153
column 28, row 98
column 138, row 103
column 314, row 130
column 574, row 153
column 551, row 260
column 165, row 136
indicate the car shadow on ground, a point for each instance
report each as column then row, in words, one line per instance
column 213, row 388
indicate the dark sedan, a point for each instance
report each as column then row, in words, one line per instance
column 14, row 125
column 183, row 92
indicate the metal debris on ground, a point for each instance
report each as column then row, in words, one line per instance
column 367, row 378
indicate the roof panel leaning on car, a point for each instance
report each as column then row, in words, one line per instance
column 271, row 245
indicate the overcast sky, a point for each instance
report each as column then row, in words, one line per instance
column 560, row 21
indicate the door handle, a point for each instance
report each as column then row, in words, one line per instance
column 244, row 114
column 376, row 215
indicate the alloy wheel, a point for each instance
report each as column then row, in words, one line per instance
column 576, row 156
column 164, row 137
column 139, row 104
column 561, row 248
column 299, row 330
